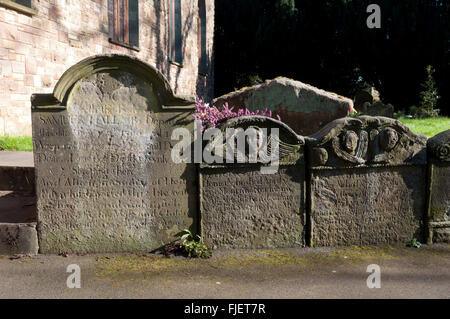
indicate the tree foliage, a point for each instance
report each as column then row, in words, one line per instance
column 327, row 43
column 429, row 96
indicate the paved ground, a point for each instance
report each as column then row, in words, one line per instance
column 287, row 273
column 19, row 159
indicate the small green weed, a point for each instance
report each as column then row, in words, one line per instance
column 414, row 243
column 194, row 245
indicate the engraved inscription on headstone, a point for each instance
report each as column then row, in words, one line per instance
column 367, row 181
column 105, row 180
column 241, row 207
column 367, row 206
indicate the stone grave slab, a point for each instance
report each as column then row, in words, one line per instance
column 367, row 183
column 105, row 181
column 241, row 207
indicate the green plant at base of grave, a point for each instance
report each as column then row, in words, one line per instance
column 194, row 245
column 414, row 243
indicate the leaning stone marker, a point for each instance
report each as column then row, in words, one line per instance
column 242, row 207
column 439, row 184
column 367, row 183
column 102, row 144
column 305, row 108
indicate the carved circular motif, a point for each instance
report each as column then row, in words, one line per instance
column 443, row 152
column 320, row 155
column 388, row 139
column 350, row 141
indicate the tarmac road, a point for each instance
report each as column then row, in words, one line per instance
column 285, row 273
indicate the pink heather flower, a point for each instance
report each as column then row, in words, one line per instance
column 210, row 116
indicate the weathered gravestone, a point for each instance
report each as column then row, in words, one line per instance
column 303, row 107
column 378, row 109
column 368, row 95
column 367, row 183
column 105, row 181
column 439, row 187
column 244, row 206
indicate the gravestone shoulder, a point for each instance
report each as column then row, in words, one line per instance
column 439, row 146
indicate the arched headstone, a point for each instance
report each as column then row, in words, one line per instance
column 102, row 148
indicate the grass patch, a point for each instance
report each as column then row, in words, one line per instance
column 16, row 143
column 429, row 126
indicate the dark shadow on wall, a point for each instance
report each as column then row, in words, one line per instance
column 203, row 80
column 158, row 34
column 18, row 207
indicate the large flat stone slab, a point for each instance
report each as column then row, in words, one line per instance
column 301, row 106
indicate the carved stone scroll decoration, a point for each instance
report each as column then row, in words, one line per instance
column 283, row 145
column 366, row 140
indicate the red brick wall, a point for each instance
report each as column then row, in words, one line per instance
column 35, row 50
